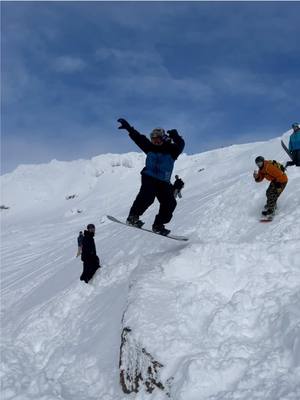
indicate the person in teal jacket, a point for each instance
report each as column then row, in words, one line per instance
column 162, row 150
column 294, row 146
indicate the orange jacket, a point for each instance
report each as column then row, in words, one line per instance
column 271, row 172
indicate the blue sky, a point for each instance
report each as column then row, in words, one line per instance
column 219, row 72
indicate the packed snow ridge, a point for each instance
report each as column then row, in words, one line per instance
column 214, row 318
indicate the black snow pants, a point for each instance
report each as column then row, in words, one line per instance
column 164, row 193
column 296, row 157
column 90, row 266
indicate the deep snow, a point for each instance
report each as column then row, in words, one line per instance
column 221, row 312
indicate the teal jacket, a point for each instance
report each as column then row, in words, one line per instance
column 294, row 143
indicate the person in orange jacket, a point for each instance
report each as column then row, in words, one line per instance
column 275, row 172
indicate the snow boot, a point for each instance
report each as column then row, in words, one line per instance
column 134, row 221
column 267, row 213
column 160, row 229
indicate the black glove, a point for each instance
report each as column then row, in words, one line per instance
column 172, row 133
column 124, row 124
column 166, row 138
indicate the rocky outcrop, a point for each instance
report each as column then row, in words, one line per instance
column 138, row 368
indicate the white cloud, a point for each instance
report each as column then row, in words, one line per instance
column 68, row 64
column 126, row 55
column 135, row 62
column 143, row 73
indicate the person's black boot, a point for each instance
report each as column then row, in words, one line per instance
column 160, row 229
column 267, row 213
column 134, row 221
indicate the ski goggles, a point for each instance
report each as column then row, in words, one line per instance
column 156, row 139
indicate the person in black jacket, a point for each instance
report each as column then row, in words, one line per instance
column 162, row 151
column 88, row 254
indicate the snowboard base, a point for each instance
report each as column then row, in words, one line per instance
column 265, row 219
column 169, row 236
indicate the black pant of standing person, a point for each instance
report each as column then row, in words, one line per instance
column 88, row 254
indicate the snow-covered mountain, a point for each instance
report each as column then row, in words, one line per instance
column 216, row 318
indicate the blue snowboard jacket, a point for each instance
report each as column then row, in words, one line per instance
column 294, row 143
column 160, row 159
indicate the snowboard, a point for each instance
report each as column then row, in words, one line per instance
column 169, row 236
column 286, row 150
column 267, row 218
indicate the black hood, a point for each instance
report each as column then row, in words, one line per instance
column 89, row 234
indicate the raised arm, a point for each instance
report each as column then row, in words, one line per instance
column 140, row 140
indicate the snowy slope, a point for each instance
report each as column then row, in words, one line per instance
column 219, row 314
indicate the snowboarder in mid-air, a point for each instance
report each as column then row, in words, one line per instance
column 177, row 187
column 162, row 150
column 275, row 172
column 294, row 146
column 87, row 247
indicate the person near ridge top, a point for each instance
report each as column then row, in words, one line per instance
column 162, row 150
column 294, row 146
column 275, row 172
